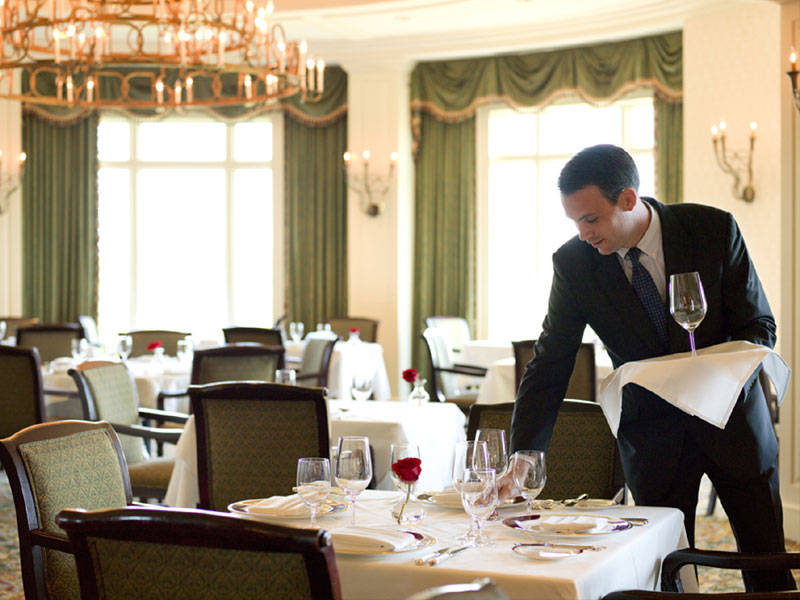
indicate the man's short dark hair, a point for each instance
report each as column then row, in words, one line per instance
column 608, row 167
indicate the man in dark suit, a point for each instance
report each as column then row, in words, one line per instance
column 626, row 242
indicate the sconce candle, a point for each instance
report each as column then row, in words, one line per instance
column 725, row 160
column 366, row 185
column 9, row 183
column 793, row 78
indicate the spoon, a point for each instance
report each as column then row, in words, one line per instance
column 574, row 501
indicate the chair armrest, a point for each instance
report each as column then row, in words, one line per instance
column 163, row 415
column 162, row 395
column 60, row 392
column 151, row 433
column 298, row 377
column 464, row 370
column 50, row 540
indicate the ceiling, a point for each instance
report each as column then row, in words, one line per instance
column 378, row 32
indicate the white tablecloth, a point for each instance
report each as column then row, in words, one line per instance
column 484, row 353
column 434, row 427
column 632, row 559
column 346, row 359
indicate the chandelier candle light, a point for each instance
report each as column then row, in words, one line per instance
column 80, row 44
column 725, row 160
column 9, row 180
column 365, row 186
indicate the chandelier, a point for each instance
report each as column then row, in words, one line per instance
column 152, row 54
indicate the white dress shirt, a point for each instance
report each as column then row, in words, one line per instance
column 652, row 257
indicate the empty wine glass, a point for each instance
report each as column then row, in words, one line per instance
column 398, row 452
column 313, row 484
column 530, row 474
column 362, row 386
column 353, row 468
column 498, row 450
column 479, row 498
column 296, row 331
column 124, row 346
column 687, row 302
column 79, row 348
column 466, row 455
column 286, row 376
column 185, row 350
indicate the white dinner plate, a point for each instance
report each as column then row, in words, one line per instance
column 547, row 551
column 567, row 524
column 241, row 507
column 451, row 499
column 421, row 540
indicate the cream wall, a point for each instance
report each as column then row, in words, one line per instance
column 734, row 61
column 10, row 221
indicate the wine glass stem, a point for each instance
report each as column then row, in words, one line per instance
column 313, row 524
column 691, row 342
column 353, row 516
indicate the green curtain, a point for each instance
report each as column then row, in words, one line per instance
column 59, row 219
column 315, row 202
column 444, row 98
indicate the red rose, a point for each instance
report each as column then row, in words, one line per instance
column 153, row 345
column 355, row 330
column 407, row 469
column 410, row 375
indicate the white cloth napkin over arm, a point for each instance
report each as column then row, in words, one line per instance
column 706, row 385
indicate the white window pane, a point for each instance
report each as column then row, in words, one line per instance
column 252, row 141
column 568, row 129
column 642, row 132
column 113, row 140
column 114, row 252
column 647, row 175
column 181, row 141
column 511, row 134
column 252, row 247
column 181, row 251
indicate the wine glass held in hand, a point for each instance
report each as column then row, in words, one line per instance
column 496, row 444
column 353, row 468
column 687, row 302
column 530, row 474
column 479, row 498
column 313, row 484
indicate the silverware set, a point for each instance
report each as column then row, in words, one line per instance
column 437, row 557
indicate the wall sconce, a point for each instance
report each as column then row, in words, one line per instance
column 724, row 160
column 9, row 182
column 371, row 190
column 793, row 76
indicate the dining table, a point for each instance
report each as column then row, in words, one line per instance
column 613, row 559
column 435, row 427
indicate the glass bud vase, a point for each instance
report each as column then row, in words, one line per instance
column 419, row 395
column 408, row 509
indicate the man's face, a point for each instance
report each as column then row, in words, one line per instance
column 606, row 227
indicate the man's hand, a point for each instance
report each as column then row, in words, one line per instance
column 506, row 488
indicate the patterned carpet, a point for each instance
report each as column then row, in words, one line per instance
column 712, row 533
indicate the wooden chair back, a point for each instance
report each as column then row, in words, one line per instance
column 210, row 554
column 12, row 323
column 367, row 328
column 315, row 361
column 21, row 398
column 582, row 382
column 259, row 335
column 142, row 338
column 455, row 330
column 52, row 340
column 244, row 361
column 250, row 435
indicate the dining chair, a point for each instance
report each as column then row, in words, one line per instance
column 108, row 393
column 445, row 370
column 22, row 400
column 250, row 435
column 259, row 335
column 583, row 381
column 12, row 323
column 672, row 585
column 52, row 340
column 367, row 327
column 142, row 338
column 480, row 589
column 315, row 362
column 185, row 554
column 455, row 330
column 582, row 456
column 245, row 361
column 43, row 463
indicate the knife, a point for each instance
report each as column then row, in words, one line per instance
column 437, row 560
column 430, row 556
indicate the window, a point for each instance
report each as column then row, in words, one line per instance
column 520, row 218
column 185, row 225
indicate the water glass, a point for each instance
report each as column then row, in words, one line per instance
column 286, row 376
column 362, row 387
column 124, row 346
column 479, row 498
column 80, row 348
column 296, row 329
column 353, row 468
column 530, row 474
column 466, row 455
column 185, row 350
column 313, row 484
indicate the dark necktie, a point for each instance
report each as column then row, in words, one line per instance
column 646, row 289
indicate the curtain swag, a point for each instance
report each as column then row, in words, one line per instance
column 139, row 83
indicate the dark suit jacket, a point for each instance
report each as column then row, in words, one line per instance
column 589, row 288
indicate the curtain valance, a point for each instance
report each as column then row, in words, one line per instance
column 138, row 82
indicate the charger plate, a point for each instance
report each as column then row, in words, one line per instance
column 535, row 524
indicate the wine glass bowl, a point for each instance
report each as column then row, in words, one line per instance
column 313, row 484
column 362, row 387
column 124, row 346
column 468, row 454
column 185, row 351
column 296, row 330
column 399, row 452
column 353, row 468
column 530, row 474
column 498, row 449
column 687, row 302
column 479, row 498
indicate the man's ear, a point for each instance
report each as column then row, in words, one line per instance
column 627, row 199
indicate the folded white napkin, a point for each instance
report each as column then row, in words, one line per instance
column 62, row 364
column 570, row 524
column 370, row 539
column 449, row 498
column 280, row 506
column 706, row 385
